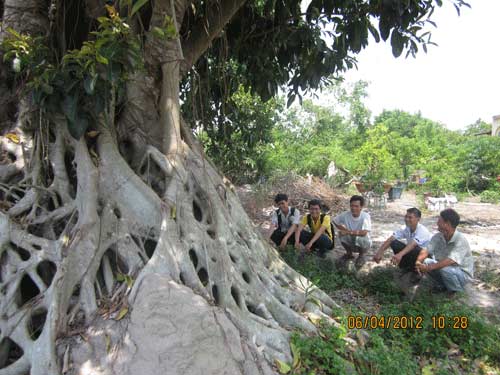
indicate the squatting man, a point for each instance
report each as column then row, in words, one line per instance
column 452, row 265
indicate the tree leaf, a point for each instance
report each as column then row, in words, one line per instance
column 428, row 370
column 374, row 32
column 296, row 355
column 48, row 89
column 384, row 27
column 69, row 107
column 100, row 58
column 108, row 343
column 137, row 6
column 283, row 368
column 78, row 127
column 397, row 43
column 122, row 313
column 13, row 137
column 89, row 84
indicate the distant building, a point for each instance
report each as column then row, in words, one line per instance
column 495, row 128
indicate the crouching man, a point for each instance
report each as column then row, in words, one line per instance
column 354, row 230
column 320, row 236
column 453, row 266
column 407, row 242
column 285, row 220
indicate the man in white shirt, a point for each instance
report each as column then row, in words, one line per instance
column 407, row 242
column 354, row 230
column 452, row 265
column 285, row 221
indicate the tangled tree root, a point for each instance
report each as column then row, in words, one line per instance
column 83, row 231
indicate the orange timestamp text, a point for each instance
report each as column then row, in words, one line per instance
column 406, row 322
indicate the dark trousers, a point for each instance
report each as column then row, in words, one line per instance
column 408, row 261
column 322, row 244
column 278, row 236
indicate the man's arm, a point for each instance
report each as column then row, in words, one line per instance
column 422, row 255
column 318, row 233
column 340, row 226
column 423, row 268
column 297, row 235
column 274, row 224
column 378, row 255
column 291, row 231
column 359, row 233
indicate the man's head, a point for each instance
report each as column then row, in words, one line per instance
column 281, row 201
column 447, row 222
column 356, row 203
column 314, row 207
column 412, row 217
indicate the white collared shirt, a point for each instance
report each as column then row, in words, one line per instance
column 421, row 235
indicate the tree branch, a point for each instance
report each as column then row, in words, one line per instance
column 206, row 30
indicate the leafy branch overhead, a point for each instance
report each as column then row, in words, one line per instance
column 276, row 44
column 88, row 81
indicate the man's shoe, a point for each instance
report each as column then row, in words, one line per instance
column 360, row 261
column 346, row 257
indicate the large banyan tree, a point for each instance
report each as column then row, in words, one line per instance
column 122, row 248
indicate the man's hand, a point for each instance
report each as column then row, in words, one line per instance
column 377, row 257
column 308, row 247
column 345, row 232
column 283, row 243
column 297, row 245
column 421, row 268
column 396, row 258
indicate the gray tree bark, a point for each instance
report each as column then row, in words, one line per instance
column 92, row 240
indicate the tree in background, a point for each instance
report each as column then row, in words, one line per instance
column 106, row 196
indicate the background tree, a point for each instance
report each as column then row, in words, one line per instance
column 106, row 197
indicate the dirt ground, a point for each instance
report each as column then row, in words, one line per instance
column 479, row 221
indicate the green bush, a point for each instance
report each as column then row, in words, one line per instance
column 490, row 196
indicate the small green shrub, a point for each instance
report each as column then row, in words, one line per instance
column 490, row 196
column 321, row 354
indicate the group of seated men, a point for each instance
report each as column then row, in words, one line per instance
column 445, row 256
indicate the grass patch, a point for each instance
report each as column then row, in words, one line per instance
column 490, row 276
column 451, row 338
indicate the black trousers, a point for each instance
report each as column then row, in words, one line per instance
column 408, row 261
column 278, row 236
column 322, row 244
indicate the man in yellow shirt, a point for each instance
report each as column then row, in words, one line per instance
column 320, row 236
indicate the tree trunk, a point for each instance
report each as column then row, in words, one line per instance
column 143, row 262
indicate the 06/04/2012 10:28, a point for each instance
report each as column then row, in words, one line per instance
column 406, row 322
